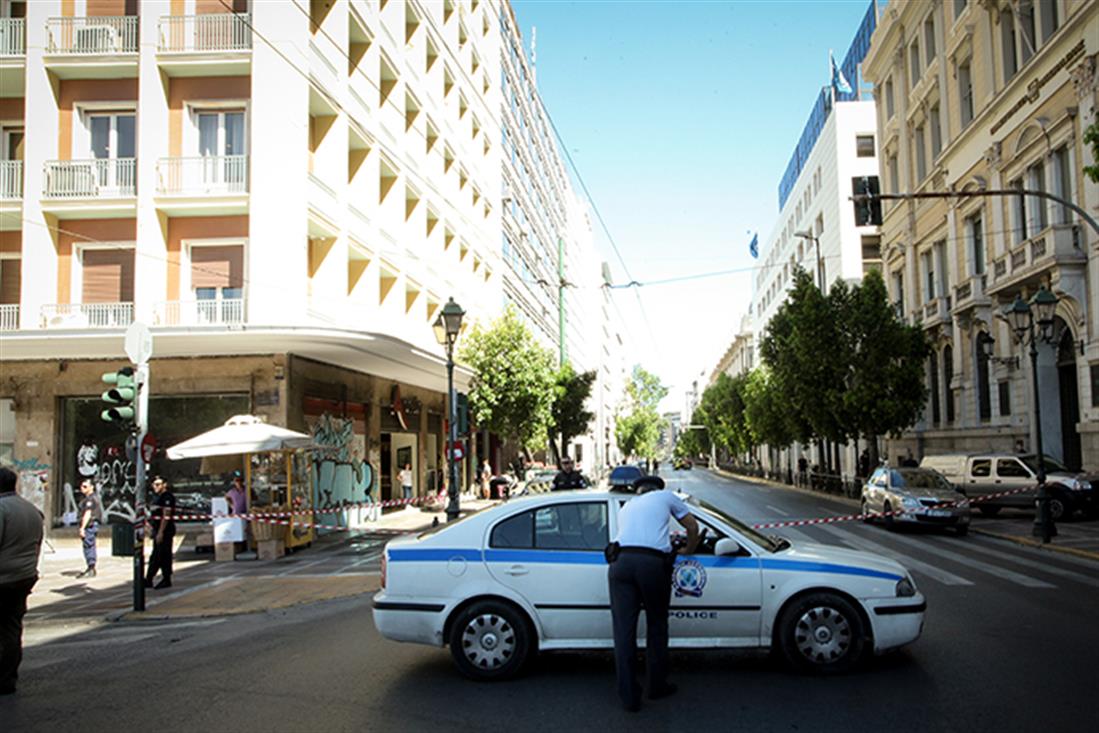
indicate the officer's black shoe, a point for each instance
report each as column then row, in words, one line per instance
column 163, row 584
column 666, row 691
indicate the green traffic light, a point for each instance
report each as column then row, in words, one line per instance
column 118, row 414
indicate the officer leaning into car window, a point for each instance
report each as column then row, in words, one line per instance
column 640, row 576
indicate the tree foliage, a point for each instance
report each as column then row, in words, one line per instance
column 722, row 412
column 512, row 390
column 637, row 429
column 765, row 410
column 1091, row 137
column 571, row 393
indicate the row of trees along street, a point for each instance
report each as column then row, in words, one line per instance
column 836, row 368
column 519, row 394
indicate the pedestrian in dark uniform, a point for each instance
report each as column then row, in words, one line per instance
column 20, row 541
column 640, row 575
column 163, row 527
column 91, row 514
column 568, row 477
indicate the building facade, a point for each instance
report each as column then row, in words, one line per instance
column 740, row 357
column 986, row 96
column 286, row 192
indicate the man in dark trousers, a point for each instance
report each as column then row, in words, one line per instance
column 641, row 576
column 163, row 527
column 568, row 477
column 20, row 541
column 91, row 514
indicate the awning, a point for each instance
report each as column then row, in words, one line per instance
column 240, row 434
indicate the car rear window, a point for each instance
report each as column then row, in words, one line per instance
column 514, row 532
column 576, row 526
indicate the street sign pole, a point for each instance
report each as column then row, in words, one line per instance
column 139, row 347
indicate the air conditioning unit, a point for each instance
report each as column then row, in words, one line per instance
column 97, row 39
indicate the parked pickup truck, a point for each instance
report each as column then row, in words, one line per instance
column 987, row 473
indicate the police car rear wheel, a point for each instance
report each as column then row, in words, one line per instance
column 490, row 641
column 822, row 633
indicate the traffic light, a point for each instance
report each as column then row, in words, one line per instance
column 462, row 408
column 120, row 397
column 867, row 210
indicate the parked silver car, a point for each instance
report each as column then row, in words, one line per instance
column 914, row 496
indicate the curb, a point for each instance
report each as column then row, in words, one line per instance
column 1027, row 542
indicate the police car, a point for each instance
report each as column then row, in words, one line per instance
column 504, row 583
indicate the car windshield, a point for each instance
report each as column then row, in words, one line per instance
column 1052, row 464
column 915, row 478
column 762, row 540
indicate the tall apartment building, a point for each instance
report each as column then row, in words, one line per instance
column 286, row 192
column 739, row 358
column 993, row 96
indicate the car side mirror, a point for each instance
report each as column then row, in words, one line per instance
column 728, row 546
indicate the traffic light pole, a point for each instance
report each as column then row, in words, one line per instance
column 141, row 429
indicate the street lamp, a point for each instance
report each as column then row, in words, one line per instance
column 447, row 326
column 806, row 234
column 1021, row 316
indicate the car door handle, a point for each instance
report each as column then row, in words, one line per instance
column 517, row 570
column 999, row 481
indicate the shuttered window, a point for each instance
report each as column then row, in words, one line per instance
column 108, row 275
column 9, row 281
column 220, row 267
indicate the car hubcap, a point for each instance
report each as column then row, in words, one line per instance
column 823, row 634
column 488, row 641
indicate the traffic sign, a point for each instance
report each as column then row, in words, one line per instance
column 139, row 342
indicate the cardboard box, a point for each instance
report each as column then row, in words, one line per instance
column 204, row 539
column 270, row 549
column 224, row 552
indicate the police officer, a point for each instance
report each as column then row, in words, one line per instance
column 640, row 576
column 163, row 527
column 568, row 477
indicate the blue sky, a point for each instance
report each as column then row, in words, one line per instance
column 681, row 117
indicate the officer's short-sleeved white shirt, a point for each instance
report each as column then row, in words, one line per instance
column 643, row 522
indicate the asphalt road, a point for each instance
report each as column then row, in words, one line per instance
column 1011, row 644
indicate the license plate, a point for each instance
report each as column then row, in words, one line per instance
column 938, row 512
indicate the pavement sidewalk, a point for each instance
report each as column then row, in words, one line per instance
column 343, row 563
column 1079, row 537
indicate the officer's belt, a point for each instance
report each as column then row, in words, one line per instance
column 631, row 550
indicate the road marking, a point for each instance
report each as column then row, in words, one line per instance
column 778, row 511
column 1044, row 567
column 372, row 556
column 943, row 576
column 1002, row 573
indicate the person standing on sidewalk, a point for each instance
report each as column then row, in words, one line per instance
column 406, row 481
column 91, row 514
column 163, row 527
column 21, row 527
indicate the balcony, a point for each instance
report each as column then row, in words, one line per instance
column 91, row 188
column 936, row 312
column 1027, row 261
column 212, row 185
column 13, row 50
column 92, row 47
column 9, row 317
column 213, row 44
column 11, row 180
column 971, row 293
column 87, row 315
column 228, row 312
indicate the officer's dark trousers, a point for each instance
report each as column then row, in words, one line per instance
column 639, row 580
column 90, row 533
column 161, row 558
column 13, row 606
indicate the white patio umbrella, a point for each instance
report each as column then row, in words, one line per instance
column 240, row 434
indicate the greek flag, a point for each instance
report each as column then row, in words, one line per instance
column 838, row 81
column 753, row 247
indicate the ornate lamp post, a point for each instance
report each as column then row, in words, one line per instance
column 447, row 326
column 1022, row 317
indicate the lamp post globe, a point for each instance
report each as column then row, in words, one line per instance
column 1044, row 304
column 1018, row 315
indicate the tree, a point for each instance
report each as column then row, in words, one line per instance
column 883, row 390
column 571, row 392
column 722, row 412
column 637, row 429
column 512, row 389
column 1091, row 137
column 765, row 410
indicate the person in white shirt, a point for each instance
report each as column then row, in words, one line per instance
column 640, row 575
column 406, row 481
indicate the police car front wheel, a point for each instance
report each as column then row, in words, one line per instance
column 490, row 640
column 822, row 633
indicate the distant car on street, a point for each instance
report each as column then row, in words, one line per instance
column 622, row 477
column 914, row 496
column 502, row 584
column 682, row 464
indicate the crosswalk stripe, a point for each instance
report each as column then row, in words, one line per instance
column 943, row 576
column 1044, row 567
column 1002, row 573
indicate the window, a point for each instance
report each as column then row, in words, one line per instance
column 1036, row 207
column 894, row 175
column 959, row 7
column 1049, row 17
column 7, row 431
column 975, row 228
column 580, row 526
column 929, row 38
column 1005, row 397
column 1007, row 43
column 898, row 289
column 948, row 377
column 913, row 63
column 929, row 276
column 936, row 411
column 879, row 478
column 943, row 265
column 1094, row 370
column 1063, row 166
column 965, row 93
column 514, row 532
column 1018, row 211
column 921, row 157
column 107, row 274
column 1011, row 468
column 217, row 280
column 221, row 145
column 889, row 99
column 864, row 146
column 1027, row 39
column 935, row 123
column 11, row 279
column 984, row 392
column 981, row 467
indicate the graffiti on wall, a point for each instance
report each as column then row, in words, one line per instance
column 341, row 473
column 33, row 481
column 115, row 476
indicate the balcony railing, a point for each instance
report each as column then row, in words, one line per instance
column 13, row 34
column 971, row 292
column 201, row 33
column 206, row 175
column 92, row 35
column 199, row 312
column 81, row 179
column 87, row 315
column 11, row 180
column 1056, row 245
column 9, row 317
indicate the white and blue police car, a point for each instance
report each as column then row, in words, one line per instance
column 500, row 585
